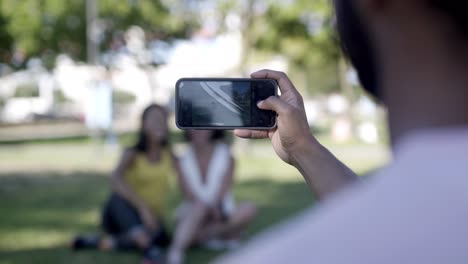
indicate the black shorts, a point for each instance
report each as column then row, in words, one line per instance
column 120, row 218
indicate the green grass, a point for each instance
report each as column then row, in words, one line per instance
column 124, row 138
column 49, row 193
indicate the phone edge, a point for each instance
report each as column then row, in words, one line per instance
column 218, row 128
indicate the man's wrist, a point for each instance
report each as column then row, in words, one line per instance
column 306, row 148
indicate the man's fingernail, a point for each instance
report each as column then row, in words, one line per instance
column 259, row 103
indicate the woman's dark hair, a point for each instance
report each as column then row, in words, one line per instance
column 142, row 141
column 216, row 135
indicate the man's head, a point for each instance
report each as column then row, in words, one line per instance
column 358, row 21
column 413, row 56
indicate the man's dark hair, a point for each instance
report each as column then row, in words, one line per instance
column 455, row 10
column 142, row 141
column 357, row 46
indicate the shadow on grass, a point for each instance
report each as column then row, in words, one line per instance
column 50, row 200
column 275, row 200
column 64, row 255
column 41, row 212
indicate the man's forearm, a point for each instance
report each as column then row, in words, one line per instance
column 323, row 172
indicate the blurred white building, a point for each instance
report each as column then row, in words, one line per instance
column 38, row 82
column 205, row 55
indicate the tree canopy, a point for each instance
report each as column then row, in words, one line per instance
column 38, row 27
column 300, row 30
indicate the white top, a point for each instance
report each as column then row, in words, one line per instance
column 207, row 191
column 414, row 211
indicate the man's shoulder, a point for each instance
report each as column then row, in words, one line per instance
column 367, row 223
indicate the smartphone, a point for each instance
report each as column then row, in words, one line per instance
column 224, row 103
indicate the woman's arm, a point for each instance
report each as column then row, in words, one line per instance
column 226, row 184
column 120, row 186
column 183, row 185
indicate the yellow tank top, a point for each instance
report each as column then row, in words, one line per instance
column 151, row 180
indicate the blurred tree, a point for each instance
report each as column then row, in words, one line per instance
column 302, row 31
column 6, row 41
column 154, row 16
column 27, row 90
column 38, row 26
column 48, row 27
column 60, row 97
column 122, row 97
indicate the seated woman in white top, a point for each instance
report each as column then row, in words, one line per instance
column 209, row 212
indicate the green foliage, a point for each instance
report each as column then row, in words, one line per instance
column 59, row 97
column 41, row 27
column 27, row 90
column 151, row 15
column 122, row 97
column 302, row 32
column 6, row 40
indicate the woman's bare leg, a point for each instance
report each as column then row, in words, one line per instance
column 186, row 232
column 233, row 228
column 141, row 239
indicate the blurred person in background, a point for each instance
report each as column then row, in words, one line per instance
column 413, row 56
column 98, row 107
column 209, row 215
column 133, row 217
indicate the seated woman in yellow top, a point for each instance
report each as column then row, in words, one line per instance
column 133, row 216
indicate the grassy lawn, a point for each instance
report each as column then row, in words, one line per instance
column 50, row 192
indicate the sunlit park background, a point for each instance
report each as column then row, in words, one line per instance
column 55, row 160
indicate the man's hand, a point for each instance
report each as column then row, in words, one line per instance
column 294, row 143
column 292, row 133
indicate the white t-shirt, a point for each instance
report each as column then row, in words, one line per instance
column 413, row 211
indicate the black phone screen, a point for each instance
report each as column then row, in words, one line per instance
column 218, row 103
